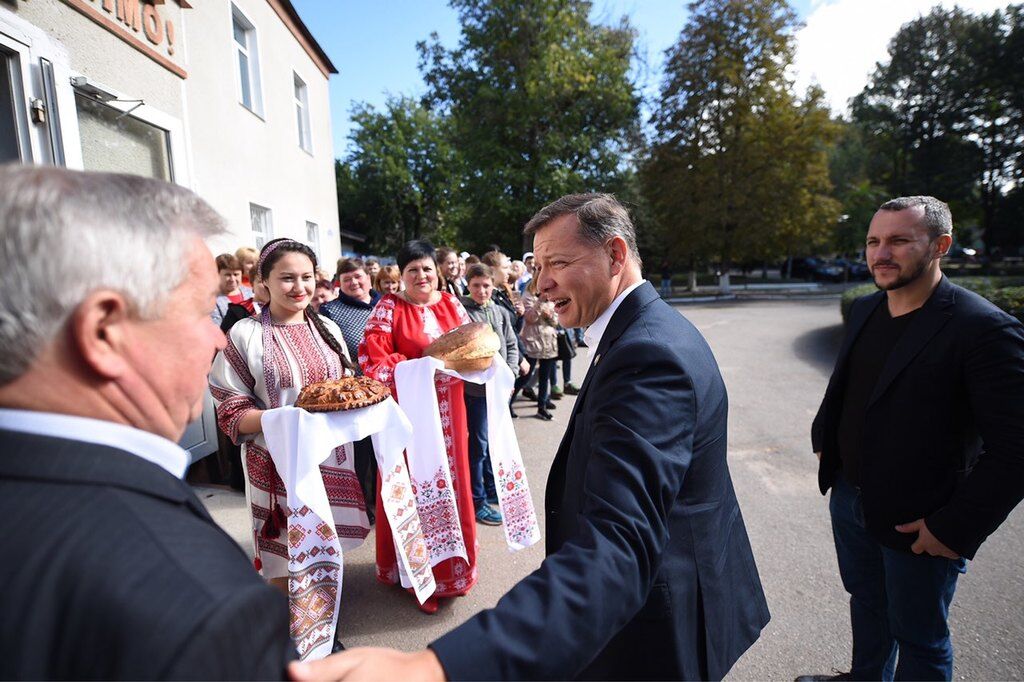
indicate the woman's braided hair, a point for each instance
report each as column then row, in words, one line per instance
column 271, row 253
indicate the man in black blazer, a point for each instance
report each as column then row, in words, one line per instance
column 921, row 439
column 112, row 569
column 649, row 572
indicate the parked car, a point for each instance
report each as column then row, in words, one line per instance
column 815, row 269
column 802, row 268
column 857, row 270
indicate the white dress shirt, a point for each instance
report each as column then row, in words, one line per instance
column 150, row 447
column 595, row 331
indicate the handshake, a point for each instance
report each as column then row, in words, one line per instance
column 371, row 664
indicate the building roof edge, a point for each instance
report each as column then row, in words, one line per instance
column 290, row 16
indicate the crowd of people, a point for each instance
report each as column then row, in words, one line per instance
column 117, row 570
column 490, row 288
column 384, row 315
column 280, row 305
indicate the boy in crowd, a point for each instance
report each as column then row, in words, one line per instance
column 481, row 309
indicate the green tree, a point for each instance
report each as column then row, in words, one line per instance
column 738, row 168
column 540, row 104
column 853, row 188
column 396, row 183
column 943, row 114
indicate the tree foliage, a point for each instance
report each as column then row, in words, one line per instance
column 739, row 168
column 398, row 181
column 536, row 101
column 944, row 115
column 854, row 187
column 540, row 103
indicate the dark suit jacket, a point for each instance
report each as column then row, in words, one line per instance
column 649, row 572
column 112, row 569
column 944, row 432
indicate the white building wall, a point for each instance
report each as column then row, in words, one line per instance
column 239, row 157
column 105, row 58
column 219, row 148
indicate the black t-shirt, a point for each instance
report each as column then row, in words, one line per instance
column 867, row 358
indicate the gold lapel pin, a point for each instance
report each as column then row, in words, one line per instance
column 597, row 359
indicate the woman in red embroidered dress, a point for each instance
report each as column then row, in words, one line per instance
column 399, row 328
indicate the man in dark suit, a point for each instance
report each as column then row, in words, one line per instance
column 920, row 436
column 649, row 572
column 112, row 569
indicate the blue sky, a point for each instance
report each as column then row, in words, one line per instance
column 373, row 42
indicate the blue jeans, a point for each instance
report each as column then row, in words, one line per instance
column 899, row 601
column 481, row 478
column 527, row 380
column 548, row 378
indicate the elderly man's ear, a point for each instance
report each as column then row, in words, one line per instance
column 99, row 332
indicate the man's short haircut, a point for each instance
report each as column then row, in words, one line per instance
column 347, row 265
column 600, row 217
column 227, row 261
column 937, row 216
column 88, row 231
column 478, row 270
column 371, row 260
column 471, row 259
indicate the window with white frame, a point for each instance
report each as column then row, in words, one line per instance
column 247, row 62
column 114, row 141
column 262, row 224
column 14, row 144
column 313, row 239
column 302, row 114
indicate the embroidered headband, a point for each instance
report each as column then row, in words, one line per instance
column 271, row 249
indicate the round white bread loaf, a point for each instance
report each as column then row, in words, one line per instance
column 467, row 348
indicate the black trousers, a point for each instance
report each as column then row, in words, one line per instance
column 366, row 470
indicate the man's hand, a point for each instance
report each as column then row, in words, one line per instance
column 371, row 664
column 926, row 543
column 524, row 368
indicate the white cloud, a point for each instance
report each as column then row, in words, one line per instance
column 843, row 39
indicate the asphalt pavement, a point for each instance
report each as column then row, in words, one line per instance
column 776, row 357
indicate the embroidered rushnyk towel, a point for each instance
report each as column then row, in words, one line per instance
column 299, row 441
column 427, row 453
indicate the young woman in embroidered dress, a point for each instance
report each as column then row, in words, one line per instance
column 269, row 358
column 399, row 328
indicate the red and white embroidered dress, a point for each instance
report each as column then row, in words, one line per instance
column 238, row 384
column 398, row 330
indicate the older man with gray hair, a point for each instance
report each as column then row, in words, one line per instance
column 649, row 573
column 920, row 437
column 112, row 568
